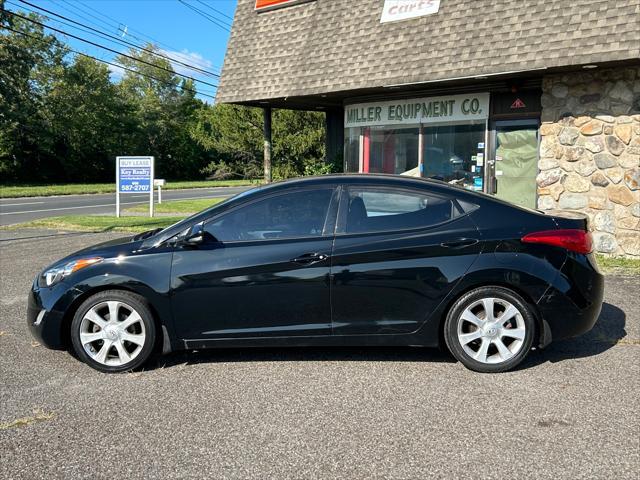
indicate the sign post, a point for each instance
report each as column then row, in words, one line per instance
column 159, row 182
column 134, row 175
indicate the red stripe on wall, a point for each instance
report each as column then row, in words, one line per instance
column 366, row 149
column 270, row 3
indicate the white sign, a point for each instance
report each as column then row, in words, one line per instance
column 452, row 108
column 395, row 10
column 134, row 175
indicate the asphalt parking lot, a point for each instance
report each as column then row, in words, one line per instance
column 572, row 411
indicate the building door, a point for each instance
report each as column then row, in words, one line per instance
column 514, row 161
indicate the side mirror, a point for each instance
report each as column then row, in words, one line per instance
column 195, row 236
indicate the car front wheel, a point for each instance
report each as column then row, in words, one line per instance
column 113, row 331
column 490, row 329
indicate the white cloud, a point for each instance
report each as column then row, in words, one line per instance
column 191, row 58
column 116, row 72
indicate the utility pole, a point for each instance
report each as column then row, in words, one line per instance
column 267, row 144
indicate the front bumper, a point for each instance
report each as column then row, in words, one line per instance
column 46, row 314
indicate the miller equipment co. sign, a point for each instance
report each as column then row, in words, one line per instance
column 452, row 108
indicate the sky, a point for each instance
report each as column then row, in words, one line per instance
column 183, row 33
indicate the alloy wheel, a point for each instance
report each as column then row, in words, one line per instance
column 491, row 330
column 112, row 333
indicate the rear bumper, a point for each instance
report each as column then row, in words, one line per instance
column 572, row 305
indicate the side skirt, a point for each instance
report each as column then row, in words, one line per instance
column 311, row 341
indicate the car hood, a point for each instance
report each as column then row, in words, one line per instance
column 110, row 249
column 115, row 247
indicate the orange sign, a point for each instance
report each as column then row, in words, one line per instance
column 271, row 4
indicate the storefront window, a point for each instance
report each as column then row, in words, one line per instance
column 352, row 150
column 439, row 137
column 393, row 150
column 455, row 153
column 452, row 153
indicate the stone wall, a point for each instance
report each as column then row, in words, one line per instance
column 590, row 153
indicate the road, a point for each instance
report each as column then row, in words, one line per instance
column 19, row 210
column 570, row 412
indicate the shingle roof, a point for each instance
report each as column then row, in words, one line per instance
column 335, row 45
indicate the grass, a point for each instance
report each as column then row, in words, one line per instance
column 178, row 206
column 38, row 416
column 173, row 211
column 619, row 265
column 98, row 223
column 16, row 191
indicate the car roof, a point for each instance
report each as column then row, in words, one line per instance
column 431, row 184
column 354, row 178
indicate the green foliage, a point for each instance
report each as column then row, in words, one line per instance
column 80, row 128
column 64, row 119
column 234, row 134
column 31, row 61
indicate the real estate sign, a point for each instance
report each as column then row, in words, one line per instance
column 134, row 175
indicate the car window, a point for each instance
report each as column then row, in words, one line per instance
column 376, row 210
column 288, row 215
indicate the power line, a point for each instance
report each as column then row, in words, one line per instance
column 128, row 28
column 221, row 20
column 115, row 23
column 110, row 49
column 205, row 15
column 121, row 41
column 77, row 9
column 195, row 92
column 215, row 10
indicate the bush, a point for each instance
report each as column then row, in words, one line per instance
column 282, row 171
column 318, row 167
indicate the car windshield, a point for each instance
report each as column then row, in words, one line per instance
column 171, row 230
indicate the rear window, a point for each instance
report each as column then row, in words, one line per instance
column 378, row 210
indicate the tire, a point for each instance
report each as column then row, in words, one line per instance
column 113, row 346
column 490, row 344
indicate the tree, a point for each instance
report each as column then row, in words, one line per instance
column 299, row 146
column 90, row 120
column 31, row 61
column 164, row 107
column 234, row 136
column 62, row 118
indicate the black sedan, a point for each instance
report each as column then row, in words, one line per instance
column 333, row 260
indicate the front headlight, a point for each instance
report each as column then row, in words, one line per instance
column 56, row 274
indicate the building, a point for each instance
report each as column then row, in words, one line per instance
column 537, row 102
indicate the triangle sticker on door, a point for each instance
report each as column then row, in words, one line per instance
column 518, row 104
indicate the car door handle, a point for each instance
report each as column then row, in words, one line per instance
column 459, row 243
column 310, row 258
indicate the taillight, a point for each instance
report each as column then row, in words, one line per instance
column 572, row 239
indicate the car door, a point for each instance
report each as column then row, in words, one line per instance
column 397, row 253
column 262, row 271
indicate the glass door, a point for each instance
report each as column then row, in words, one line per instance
column 514, row 164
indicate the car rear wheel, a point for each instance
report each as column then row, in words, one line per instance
column 490, row 329
column 113, row 331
